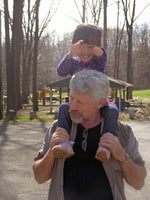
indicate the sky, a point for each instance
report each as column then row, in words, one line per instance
column 63, row 20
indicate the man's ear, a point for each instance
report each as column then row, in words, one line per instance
column 101, row 103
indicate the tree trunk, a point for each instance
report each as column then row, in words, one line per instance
column 8, row 67
column 16, row 53
column 117, row 45
column 27, row 57
column 1, row 93
column 129, row 26
column 129, row 63
column 34, row 85
column 116, row 52
column 105, row 24
column 83, row 19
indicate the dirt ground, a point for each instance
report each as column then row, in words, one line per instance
column 141, row 110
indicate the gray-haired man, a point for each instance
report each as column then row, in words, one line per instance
column 82, row 176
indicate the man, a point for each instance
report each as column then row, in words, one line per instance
column 82, row 176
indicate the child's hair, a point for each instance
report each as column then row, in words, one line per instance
column 90, row 34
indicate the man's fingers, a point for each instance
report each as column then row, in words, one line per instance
column 60, row 135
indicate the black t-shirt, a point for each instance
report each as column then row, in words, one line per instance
column 84, row 175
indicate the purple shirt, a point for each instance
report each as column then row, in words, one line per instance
column 70, row 66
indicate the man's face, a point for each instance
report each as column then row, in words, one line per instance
column 82, row 108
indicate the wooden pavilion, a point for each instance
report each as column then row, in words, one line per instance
column 114, row 83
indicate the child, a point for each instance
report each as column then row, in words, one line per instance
column 85, row 52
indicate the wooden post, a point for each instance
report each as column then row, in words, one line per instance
column 60, row 93
column 51, row 100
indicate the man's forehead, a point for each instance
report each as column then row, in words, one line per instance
column 73, row 92
column 79, row 95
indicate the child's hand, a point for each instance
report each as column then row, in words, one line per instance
column 97, row 51
column 75, row 49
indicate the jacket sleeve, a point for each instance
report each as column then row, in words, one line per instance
column 130, row 143
column 133, row 150
column 101, row 62
column 64, row 67
column 46, row 142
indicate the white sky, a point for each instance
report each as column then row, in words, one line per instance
column 63, row 22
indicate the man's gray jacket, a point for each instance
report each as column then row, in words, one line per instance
column 112, row 167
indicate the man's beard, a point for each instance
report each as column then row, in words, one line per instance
column 78, row 119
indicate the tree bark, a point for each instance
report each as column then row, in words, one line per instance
column 8, row 67
column 34, row 85
column 105, row 24
column 16, row 53
column 129, row 63
column 27, row 56
column 1, row 92
column 84, row 7
column 129, row 26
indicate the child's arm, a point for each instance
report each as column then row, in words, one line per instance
column 100, row 61
column 65, row 67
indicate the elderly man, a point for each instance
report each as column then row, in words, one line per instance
column 82, row 176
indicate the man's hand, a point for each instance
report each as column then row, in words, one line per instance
column 60, row 135
column 111, row 142
column 133, row 173
column 43, row 168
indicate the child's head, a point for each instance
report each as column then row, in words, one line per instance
column 90, row 34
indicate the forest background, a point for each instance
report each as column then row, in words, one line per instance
column 30, row 52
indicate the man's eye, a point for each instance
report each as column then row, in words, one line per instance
column 81, row 102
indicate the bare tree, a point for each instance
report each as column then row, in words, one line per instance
column 28, row 42
column 34, row 83
column 27, row 51
column 118, row 39
column 129, row 13
column 129, row 18
column 141, row 41
column 82, row 13
column 90, row 12
column 84, row 7
column 105, row 25
column 16, row 52
column 8, row 67
column 1, row 93
column 95, row 8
